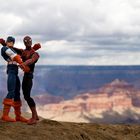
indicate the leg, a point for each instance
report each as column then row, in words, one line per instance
column 11, row 85
column 27, row 84
column 17, row 90
column 6, row 109
column 26, row 87
column 17, row 102
column 8, row 101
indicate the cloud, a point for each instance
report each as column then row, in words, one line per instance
column 77, row 31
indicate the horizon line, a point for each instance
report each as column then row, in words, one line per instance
column 82, row 65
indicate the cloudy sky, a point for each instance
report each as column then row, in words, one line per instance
column 76, row 32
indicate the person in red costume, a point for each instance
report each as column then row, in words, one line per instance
column 29, row 57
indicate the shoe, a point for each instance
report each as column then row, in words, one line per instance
column 17, row 108
column 6, row 109
column 34, row 118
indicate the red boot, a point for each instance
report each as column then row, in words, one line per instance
column 17, row 108
column 34, row 118
column 6, row 109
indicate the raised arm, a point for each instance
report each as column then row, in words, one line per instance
column 2, row 42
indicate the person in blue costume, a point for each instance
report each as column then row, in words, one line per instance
column 13, row 83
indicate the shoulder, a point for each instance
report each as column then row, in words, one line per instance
column 36, row 53
column 4, row 48
column 10, row 52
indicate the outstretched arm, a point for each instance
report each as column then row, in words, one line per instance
column 18, row 51
column 34, row 48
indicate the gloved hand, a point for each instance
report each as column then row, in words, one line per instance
column 18, row 59
column 37, row 46
column 24, row 67
column 2, row 42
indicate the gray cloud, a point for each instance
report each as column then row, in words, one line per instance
column 84, row 30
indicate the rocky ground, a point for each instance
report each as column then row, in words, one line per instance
column 53, row 130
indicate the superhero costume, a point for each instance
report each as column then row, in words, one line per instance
column 13, row 82
column 30, row 57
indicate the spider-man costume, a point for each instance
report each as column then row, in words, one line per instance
column 29, row 57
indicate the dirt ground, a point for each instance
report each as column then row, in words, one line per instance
column 53, row 130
